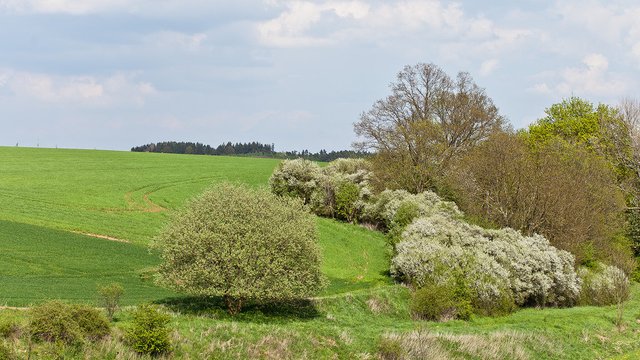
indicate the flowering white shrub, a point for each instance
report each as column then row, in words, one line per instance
column 419, row 262
column 603, row 285
column 325, row 189
column 297, row 178
column 536, row 273
column 384, row 208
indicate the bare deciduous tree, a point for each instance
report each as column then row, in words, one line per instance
column 428, row 119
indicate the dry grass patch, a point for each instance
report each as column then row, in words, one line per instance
column 426, row 345
column 270, row 347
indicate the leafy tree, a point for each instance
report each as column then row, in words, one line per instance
column 557, row 189
column 428, row 119
column 242, row 244
column 608, row 132
column 599, row 129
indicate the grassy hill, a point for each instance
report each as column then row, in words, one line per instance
column 54, row 202
column 52, row 198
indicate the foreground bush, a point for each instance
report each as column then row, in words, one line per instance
column 149, row 333
column 442, row 301
column 603, row 285
column 56, row 321
column 242, row 244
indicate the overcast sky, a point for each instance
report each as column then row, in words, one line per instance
column 111, row 74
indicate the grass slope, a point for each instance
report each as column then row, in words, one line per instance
column 46, row 193
column 114, row 193
column 40, row 263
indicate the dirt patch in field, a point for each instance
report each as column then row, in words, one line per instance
column 101, row 236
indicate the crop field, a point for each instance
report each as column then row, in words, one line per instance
column 56, row 202
column 71, row 220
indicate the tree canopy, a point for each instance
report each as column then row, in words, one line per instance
column 428, row 119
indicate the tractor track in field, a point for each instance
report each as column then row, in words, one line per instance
column 149, row 205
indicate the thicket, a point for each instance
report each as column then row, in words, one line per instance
column 556, row 189
column 437, row 251
column 71, row 324
column 240, row 149
column 340, row 189
column 242, row 244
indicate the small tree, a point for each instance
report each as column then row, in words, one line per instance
column 242, row 244
column 110, row 298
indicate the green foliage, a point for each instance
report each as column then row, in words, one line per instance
column 346, row 198
column 92, row 322
column 8, row 328
column 149, row 333
column 242, row 243
column 578, row 121
column 58, row 322
column 110, row 296
column 442, row 301
column 603, row 285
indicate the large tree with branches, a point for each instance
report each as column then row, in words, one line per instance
column 428, row 120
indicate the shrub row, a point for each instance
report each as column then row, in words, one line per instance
column 340, row 190
column 456, row 267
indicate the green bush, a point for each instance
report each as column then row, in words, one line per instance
column 441, row 302
column 346, row 201
column 92, row 322
column 56, row 321
column 110, row 298
column 242, row 244
column 149, row 333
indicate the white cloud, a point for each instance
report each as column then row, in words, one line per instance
column 593, row 78
column 615, row 22
column 313, row 23
column 75, row 7
column 78, row 90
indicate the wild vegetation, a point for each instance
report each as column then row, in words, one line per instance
column 534, row 264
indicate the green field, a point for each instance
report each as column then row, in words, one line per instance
column 51, row 199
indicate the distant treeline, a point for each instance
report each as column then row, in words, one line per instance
column 244, row 149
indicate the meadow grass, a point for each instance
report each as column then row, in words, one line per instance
column 113, row 193
column 40, row 264
column 48, row 194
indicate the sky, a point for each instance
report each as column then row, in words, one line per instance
column 112, row 74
